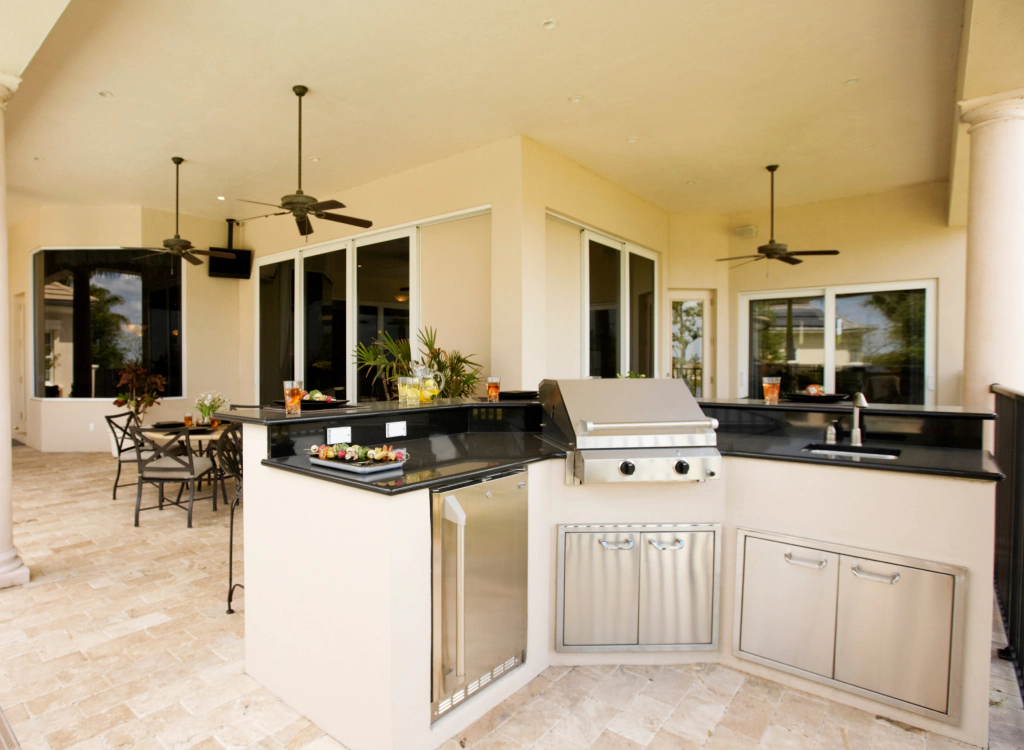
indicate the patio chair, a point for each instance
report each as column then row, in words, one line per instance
column 161, row 461
column 229, row 458
column 119, row 424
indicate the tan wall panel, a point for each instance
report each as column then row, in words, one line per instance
column 562, row 263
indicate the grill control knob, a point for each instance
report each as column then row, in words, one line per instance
column 627, row 468
column 682, row 467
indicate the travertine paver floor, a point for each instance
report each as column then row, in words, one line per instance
column 121, row 640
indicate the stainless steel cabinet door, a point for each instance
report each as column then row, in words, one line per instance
column 893, row 633
column 677, row 576
column 602, row 589
column 789, row 604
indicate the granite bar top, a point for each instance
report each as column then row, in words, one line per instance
column 275, row 415
column 437, row 461
column 846, row 407
column 947, row 462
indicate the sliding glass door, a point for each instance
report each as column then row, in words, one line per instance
column 349, row 291
column 876, row 339
column 620, row 303
column 276, row 306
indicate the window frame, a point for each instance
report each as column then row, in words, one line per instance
column 32, row 339
column 930, row 287
column 625, row 250
column 350, row 245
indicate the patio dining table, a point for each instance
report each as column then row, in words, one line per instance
column 201, row 437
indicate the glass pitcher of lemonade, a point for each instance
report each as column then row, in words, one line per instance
column 430, row 382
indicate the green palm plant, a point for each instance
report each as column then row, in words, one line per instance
column 388, row 359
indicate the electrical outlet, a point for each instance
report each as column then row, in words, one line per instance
column 336, row 435
column 394, row 429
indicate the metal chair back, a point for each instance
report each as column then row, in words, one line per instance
column 164, row 447
column 229, row 452
column 119, row 425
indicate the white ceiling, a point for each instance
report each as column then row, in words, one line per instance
column 712, row 91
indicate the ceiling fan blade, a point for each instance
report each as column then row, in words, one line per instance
column 325, row 205
column 263, row 216
column 214, row 254
column 192, row 259
column 345, row 220
column 260, row 203
column 788, row 258
column 151, row 249
column 815, row 252
column 740, row 265
column 305, row 225
column 141, row 257
column 741, row 257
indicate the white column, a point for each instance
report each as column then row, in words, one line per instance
column 12, row 570
column 994, row 325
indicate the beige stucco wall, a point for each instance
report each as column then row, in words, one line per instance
column 211, row 318
column 900, row 235
column 455, row 266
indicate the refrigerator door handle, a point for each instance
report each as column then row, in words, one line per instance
column 453, row 512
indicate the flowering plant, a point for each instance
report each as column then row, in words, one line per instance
column 208, row 403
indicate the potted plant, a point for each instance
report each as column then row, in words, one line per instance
column 142, row 389
column 208, row 404
column 388, row 359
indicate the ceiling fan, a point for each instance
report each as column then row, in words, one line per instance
column 302, row 206
column 176, row 245
column 777, row 250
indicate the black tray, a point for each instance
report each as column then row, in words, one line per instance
column 517, row 395
column 824, row 398
column 168, row 425
column 316, row 405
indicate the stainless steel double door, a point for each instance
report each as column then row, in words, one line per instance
column 479, row 573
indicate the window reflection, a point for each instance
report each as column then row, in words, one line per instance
column 605, row 270
column 325, row 324
column 787, row 340
column 382, row 284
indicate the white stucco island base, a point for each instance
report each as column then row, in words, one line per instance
column 338, row 594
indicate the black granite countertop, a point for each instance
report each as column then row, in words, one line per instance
column 946, row 462
column 845, row 407
column 274, row 415
column 437, row 461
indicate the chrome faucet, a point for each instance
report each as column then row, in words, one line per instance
column 859, row 402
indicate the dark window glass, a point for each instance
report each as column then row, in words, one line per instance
column 382, row 284
column 277, row 328
column 641, row 315
column 325, row 323
column 605, row 270
column 125, row 304
column 787, row 340
column 880, row 346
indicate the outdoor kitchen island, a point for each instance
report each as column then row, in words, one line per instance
column 867, row 582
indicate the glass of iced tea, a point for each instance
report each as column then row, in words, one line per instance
column 771, row 389
column 292, row 396
column 493, row 387
column 188, row 420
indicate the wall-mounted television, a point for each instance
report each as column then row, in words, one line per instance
column 238, row 268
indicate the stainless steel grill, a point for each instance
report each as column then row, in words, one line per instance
column 630, row 430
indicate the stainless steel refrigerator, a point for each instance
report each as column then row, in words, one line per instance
column 479, row 572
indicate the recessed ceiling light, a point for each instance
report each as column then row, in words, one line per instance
column 106, row 94
column 314, row 158
column 631, row 139
column 851, row 81
column 575, row 98
column 549, row 24
column 220, row 197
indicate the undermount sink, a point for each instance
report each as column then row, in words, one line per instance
column 852, row 451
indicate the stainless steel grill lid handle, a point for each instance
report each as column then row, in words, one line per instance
column 453, row 512
column 586, row 426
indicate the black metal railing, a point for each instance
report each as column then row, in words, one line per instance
column 693, row 374
column 1009, row 541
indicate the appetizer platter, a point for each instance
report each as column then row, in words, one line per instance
column 358, row 459
column 314, row 399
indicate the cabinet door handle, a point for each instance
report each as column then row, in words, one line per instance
column 663, row 547
column 805, row 563
column 872, row 577
column 453, row 512
column 628, row 545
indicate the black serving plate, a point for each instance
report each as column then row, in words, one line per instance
column 517, row 395
column 200, row 430
column 824, row 398
column 316, row 405
column 168, row 425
